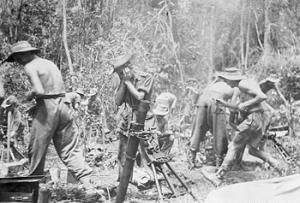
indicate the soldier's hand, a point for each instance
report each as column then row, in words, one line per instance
column 29, row 96
column 127, row 82
column 242, row 107
column 233, row 110
column 128, row 75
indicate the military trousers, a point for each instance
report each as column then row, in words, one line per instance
column 209, row 117
column 53, row 120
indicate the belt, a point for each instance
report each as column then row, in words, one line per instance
column 50, row 96
column 256, row 110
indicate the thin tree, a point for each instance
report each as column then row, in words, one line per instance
column 212, row 40
column 64, row 33
column 267, row 45
column 242, row 62
column 248, row 36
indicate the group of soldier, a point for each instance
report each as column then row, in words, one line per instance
column 53, row 115
column 250, row 116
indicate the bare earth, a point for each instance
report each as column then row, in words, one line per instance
column 105, row 176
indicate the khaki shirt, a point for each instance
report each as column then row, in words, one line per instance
column 142, row 82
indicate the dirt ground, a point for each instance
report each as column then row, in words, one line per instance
column 102, row 157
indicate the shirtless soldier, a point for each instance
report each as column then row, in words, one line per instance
column 254, row 118
column 211, row 116
column 53, row 115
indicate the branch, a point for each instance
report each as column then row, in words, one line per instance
column 257, row 32
column 152, row 19
column 65, row 37
column 247, row 37
column 242, row 36
column 175, row 44
column 286, row 103
column 288, row 112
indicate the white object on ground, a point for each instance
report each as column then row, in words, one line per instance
column 275, row 190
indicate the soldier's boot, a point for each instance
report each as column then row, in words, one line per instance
column 214, row 177
column 220, row 173
column 193, row 163
column 278, row 167
column 191, row 158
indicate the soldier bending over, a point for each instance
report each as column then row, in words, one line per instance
column 53, row 116
column 211, row 116
column 254, row 118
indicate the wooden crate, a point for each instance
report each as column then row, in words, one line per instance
column 20, row 189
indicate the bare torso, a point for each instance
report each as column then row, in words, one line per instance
column 222, row 89
column 45, row 77
column 250, row 93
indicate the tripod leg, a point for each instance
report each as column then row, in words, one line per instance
column 181, row 181
column 168, row 180
column 8, row 135
column 156, row 182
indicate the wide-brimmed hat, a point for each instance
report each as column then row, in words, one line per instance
column 163, row 104
column 20, row 47
column 120, row 62
column 161, row 109
column 231, row 74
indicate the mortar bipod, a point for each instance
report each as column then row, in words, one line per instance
column 157, row 161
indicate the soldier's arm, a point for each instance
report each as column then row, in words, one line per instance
column 37, row 87
column 144, row 87
column 252, row 88
column 120, row 89
column 139, row 95
column 235, row 96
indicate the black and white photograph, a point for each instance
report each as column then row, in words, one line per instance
column 149, row 101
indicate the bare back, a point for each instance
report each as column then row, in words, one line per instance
column 251, row 94
column 221, row 88
column 249, row 87
column 45, row 77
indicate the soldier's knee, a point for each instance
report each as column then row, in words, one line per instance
column 234, row 148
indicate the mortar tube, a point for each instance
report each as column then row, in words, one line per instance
column 132, row 147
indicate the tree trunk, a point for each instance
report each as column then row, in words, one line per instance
column 211, row 43
column 65, row 38
column 242, row 62
column 267, row 45
column 174, row 36
column 247, row 37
